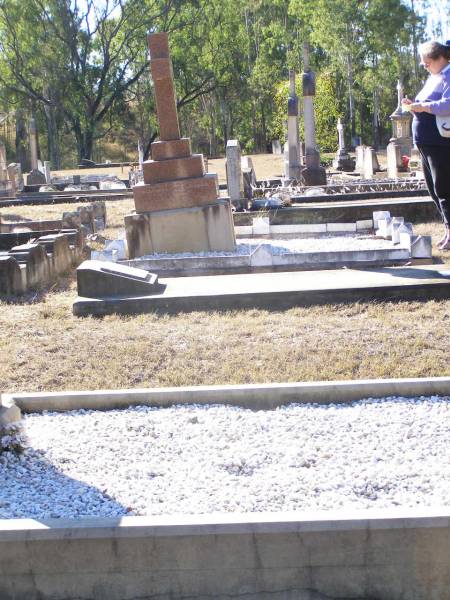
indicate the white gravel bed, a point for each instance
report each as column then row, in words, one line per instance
column 324, row 243
column 203, row 459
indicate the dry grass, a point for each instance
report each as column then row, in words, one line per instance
column 44, row 347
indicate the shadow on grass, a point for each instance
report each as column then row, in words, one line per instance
column 35, row 296
column 410, row 272
column 16, row 219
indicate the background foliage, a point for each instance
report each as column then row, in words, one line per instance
column 80, row 67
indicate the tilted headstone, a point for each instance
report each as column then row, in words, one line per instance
column 97, row 279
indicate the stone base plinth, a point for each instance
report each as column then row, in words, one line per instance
column 159, row 171
column 35, row 177
column 207, row 228
column 344, row 162
column 314, row 176
column 181, row 193
column 172, row 149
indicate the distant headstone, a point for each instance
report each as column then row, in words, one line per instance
column 359, row 151
column 343, row 160
column 276, row 147
column 47, row 171
column 235, row 182
column 248, row 176
column 368, row 163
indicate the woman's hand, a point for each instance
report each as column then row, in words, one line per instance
column 418, row 107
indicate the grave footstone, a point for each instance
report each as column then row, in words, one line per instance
column 97, row 279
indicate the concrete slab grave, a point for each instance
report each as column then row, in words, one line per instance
column 175, row 180
column 280, row 290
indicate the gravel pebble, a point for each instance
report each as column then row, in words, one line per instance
column 203, row 459
column 324, row 243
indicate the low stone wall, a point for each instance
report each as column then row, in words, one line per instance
column 387, row 555
column 90, row 217
column 31, row 265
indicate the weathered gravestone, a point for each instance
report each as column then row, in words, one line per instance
column 177, row 198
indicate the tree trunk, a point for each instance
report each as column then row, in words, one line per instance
column 85, row 140
column 22, row 141
column 351, row 97
column 54, row 154
column 376, row 120
column 414, row 41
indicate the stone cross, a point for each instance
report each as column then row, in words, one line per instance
column 162, row 75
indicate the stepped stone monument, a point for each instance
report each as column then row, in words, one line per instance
column 401, row 141
column 178, row 208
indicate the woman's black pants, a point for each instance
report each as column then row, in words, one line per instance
column 436, row 169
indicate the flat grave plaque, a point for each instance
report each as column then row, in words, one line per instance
column 129, row 272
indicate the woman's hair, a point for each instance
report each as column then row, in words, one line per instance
column 434, row 50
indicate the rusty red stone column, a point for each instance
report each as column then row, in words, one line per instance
column 162, row 74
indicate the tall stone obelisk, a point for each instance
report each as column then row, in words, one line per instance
column 293, row 159
column 178, row 206
column 313, row 173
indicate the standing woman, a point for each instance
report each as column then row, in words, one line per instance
column 434, row 100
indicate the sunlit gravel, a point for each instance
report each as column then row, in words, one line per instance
column 202, row 459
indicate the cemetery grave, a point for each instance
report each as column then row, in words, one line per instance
column 172, row 451
column 34, row 253
column 340, row 458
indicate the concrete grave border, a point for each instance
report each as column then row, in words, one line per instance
column 392, row 553
column 259, row 396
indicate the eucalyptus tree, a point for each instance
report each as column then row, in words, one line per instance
column 77, row 58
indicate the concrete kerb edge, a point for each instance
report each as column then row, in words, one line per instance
column 224, row 524
column 253, row 396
